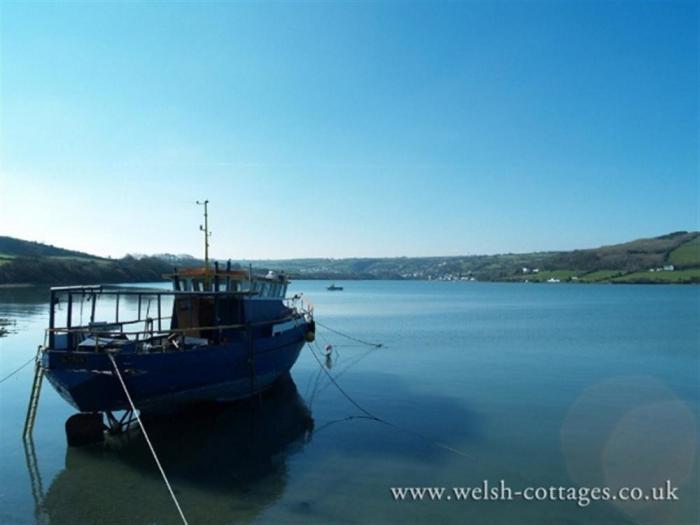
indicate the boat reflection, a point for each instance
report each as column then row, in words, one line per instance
column 226, row 463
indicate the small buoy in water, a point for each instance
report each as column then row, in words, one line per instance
column 84, row 429
column 328, row 349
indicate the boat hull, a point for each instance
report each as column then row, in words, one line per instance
column 162, row 381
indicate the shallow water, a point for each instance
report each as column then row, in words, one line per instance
column 536, row 385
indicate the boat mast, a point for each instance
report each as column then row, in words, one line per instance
column 207, row 234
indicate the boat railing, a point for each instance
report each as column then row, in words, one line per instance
column 92, row 331
column 149, row 335
column 297, row 302
column 155, row 323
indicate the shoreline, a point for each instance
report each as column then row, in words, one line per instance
column 10, row 286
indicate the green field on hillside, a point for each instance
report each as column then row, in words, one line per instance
column 691, row 275
column 687, row 254
column 600, row 275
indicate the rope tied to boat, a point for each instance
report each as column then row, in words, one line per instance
column 145, row 435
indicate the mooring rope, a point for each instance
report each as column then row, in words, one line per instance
column 340, row 389
column 369, row 415
column 336, row 421
column 145, row 435
column 368, row 343
column 20, row 368
column 310, row 398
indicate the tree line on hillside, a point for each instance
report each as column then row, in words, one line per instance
column 70, row 271
column 20, row 247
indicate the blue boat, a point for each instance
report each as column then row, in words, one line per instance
column 218, row 335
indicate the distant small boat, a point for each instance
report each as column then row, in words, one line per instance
column 334, row 288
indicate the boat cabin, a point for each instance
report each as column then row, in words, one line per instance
column 270, row 285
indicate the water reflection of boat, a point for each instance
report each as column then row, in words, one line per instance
column 226, row 463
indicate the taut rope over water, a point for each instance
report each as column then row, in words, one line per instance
column 368, row 343
column 8, row 376
column 145, row 435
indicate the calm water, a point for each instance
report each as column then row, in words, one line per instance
column 537, row 385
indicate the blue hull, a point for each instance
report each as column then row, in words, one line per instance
column 161, row 381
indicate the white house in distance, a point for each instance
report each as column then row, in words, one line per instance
column 666, row 268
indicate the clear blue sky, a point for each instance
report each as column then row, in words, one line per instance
column 348, row 128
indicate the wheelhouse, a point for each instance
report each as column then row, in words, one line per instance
column 271, row 285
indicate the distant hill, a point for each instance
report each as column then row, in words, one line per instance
column 638, row 255
column 72, row 271
column 626, row 262
column 12, row 247
column 29, row 262
column 671, row 258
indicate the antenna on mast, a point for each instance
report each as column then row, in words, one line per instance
column 206, row 231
